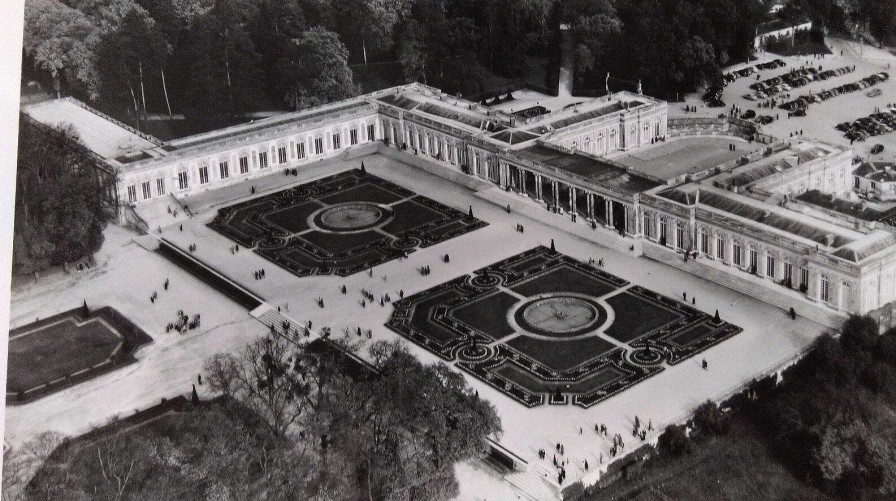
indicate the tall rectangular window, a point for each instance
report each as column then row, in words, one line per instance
column 371, row 132
column 337, row 141
column 263, row 159
column 663, row 236
column 353, row 136
column 182, row 182
column 720, row 248
column 738, row 257
column 825, row 291
column 754, row 260
column 132, row 193
column 203, row 174
column 319, row 146
column 704, row 243
column 679, row 236
column 804, row 278
column 788, row 272
column 300, row 148
column 147, row 191
column 770, row 266
column 244, row 164
column 160, row 186
column 281, row 155
column 224, row 170
column 648, row 229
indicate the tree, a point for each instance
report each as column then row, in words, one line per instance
column 222, row 71
column 134, row 51
column 268, row 376
column 417, row 423
column 411, row 52
column 316, row 65
column 61, row 41
column 859, row 333
column 593, row 34
column 851, row 448
column 674, row 441
column 369, row 24
column 59, row 205
column 708, row 418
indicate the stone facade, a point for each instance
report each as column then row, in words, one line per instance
column 558, row 160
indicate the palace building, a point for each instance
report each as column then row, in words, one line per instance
column 613, row 162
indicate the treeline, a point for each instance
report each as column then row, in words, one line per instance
column 831, row 422
column 214, row 59
column 671, row 46
column 59, row 203
column 297, row 422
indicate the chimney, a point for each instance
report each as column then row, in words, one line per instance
column 829, row 240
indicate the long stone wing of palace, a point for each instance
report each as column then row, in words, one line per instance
column 746, row 217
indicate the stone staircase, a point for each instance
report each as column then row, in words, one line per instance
column 148, row 242
column 744, row 285
column 535, row 483
column 268, row 315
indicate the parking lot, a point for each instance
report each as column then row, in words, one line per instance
column 822, row 116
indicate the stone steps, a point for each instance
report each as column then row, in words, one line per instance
column 531, row 484
column 148, row 242
column 781, row 299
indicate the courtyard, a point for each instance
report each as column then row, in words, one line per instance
column 687, row 155
column 128, row 274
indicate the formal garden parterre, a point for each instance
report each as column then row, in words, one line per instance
column 60, row 351
column 544, row 327
column 341, row 224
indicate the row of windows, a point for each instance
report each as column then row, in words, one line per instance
column 146, row 190
column 224, row 166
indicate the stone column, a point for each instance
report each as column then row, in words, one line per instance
column 538, row 194
column 609, row 212
column 555, row 188
column 572, row 200
column 589, row 200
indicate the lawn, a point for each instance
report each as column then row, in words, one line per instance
column 58, row 350
column 63, row 350
column 636, row 317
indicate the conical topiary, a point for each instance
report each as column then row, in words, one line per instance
column 553, row 249
column 363, row 170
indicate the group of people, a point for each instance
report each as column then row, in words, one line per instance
column 520, row 228
column 424, row 270
column 184, row 322
column 192, row 247
column 259, row 274
column 234, row 249
column 796, row 133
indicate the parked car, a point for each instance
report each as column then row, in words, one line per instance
column 748, row 114
column 874, row 93
column 877, row 148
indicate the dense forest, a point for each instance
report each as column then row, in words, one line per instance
column 214, row 59
column 60, row 212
